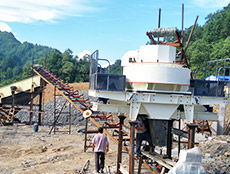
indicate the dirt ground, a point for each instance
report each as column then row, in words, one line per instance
column 23, row 151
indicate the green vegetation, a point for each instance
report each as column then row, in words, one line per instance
column 67, row 67
column 16, row 61
column 16, row 58
column 210, row 41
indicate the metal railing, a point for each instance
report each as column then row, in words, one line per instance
column 104, row 81
column 217, row 87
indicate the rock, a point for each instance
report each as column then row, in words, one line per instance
column 44, row 148
column 216, row 152
column 226, row 154
column 207, row 155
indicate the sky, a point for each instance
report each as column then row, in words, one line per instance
column 111, row 26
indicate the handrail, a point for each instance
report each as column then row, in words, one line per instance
column 60, row 92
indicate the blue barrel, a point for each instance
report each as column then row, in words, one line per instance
column 35, row 127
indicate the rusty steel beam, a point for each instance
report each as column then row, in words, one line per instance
column 120, row 140
column 178, row 38
column 186, row 62
column 151, row 37
column 86, row 131
column 132, row 145
column 191, row 138
column 190, row 35
column 173, row 44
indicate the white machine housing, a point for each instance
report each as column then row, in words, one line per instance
column 154, row 67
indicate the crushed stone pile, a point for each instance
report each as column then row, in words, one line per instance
column 48, row 117
column 216, row 154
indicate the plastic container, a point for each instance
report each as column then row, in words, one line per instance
column 35, row 127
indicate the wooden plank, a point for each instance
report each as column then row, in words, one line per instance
column 159, row 160
column 180, row 132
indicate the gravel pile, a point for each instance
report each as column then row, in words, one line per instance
column 216, row 154
column 48, row 117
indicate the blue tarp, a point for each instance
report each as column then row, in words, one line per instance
column 215, row 77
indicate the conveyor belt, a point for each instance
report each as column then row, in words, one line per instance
column 73, row 97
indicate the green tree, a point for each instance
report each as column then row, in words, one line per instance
column 82, row 71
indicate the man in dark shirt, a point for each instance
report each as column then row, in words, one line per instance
column 142, row 134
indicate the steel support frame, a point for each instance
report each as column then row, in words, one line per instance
column 131, row 103
column 57, row 115
column 192, row 113
column 159, row 98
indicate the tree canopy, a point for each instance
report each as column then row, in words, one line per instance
column 210, row 41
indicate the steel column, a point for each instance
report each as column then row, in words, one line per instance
column 40, row 102
column 31, row 105
column 132, row 145
column 86, row 127
column 11, row 112
column 69, row 118
column 191, row 137
column 169, row 139
column 159, row 22
column 120, row 140
column 54, row 126
column 140, row 164
column 179, row 139
column 40, row 109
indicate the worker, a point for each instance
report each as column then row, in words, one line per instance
column 100, row 146
column 142, row 134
